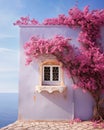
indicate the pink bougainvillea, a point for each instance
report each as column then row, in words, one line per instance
column 89, row 21
column 76, row 120
column 86, row 66
column 26, row 21
column 37, row 46
column 98, row 124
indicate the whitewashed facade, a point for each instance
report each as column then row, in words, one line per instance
column 57, row 102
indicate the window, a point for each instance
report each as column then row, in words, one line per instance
column 51, row 75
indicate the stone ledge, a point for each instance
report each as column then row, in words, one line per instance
column 51, row 89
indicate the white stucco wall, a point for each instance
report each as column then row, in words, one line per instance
column 45, row 106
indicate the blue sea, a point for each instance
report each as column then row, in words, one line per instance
column 8, row 108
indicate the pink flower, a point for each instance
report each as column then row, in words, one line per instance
column 75, row 86
column 25, row 21
column 34, row 22
column 37, row 46
column 84, row 91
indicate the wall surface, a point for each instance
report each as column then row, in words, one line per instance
column 45, row 106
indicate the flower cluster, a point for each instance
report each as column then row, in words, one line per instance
column 89, row 21
column 37, row 46
column 76, row 120
column 98, row 124
column 26, row 21
column 88, row 67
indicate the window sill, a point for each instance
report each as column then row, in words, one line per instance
column 50, row 89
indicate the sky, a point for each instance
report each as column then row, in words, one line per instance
column 10, row 11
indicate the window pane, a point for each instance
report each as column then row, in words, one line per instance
column 46, row 73
column 55, row 72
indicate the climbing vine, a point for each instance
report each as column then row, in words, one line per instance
column 85, row 63
column 56, row 46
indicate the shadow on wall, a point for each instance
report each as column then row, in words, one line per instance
column 59, row 99
column 83, row 105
